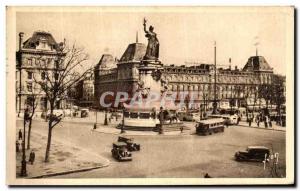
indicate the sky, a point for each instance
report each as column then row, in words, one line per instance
column 185, row 35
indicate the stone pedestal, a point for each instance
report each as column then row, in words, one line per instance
column 150, row 74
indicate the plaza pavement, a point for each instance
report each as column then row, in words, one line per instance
column 78, row 133
column 64, row 158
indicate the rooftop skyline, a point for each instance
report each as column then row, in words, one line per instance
column 184, row 36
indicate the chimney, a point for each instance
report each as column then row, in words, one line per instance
column 21, row 35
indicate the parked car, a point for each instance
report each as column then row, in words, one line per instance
column 187, row 116
column 120, row 152
column 84, row 113
column 131, row 145
column 56, row 113
column 253, row 153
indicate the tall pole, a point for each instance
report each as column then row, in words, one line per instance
column 215, row 82
column 23, row 162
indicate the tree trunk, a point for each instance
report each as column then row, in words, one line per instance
column 48, row 141
column 29, row 133
column 50, row 123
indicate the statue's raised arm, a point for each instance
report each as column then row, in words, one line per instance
column 145, row 29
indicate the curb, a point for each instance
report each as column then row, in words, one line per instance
column 69, row 172
column 183, row 134
column 262, row 128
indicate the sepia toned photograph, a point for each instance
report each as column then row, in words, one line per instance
column 150, row 95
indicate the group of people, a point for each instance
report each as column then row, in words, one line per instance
column 20, row 139
column 260, row 118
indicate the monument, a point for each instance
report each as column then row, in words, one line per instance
column 150, row 66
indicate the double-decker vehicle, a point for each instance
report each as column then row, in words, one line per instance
column 210, row 126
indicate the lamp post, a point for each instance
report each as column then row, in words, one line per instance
column 23, row 162
column 215, row 81
column 105, row 118
column 122, row 126
column 95, row 125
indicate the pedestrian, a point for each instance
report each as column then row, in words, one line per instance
column 20, row 134
column 257, row 120
column 250, row 120
column 17, row 146
column 270, row 122
column 181, row 129
column 31, row 157
column 161, row 120
column 207, row 176
column 265, row 121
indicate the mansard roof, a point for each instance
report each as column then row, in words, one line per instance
column 134, row 52
column 107, row 61
column 257, row 63
column 37, row 36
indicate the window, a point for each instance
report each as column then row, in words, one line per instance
column 29, row 87
column 144, row 115
column 30, row 101
column 29, row 75
column 133, row 115
column 43, row 44
column 43, row 75
column 57, row 65
column 56, row 75
column 29, row 62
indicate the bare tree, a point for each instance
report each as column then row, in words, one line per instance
column 33, row 105
column 57, row 78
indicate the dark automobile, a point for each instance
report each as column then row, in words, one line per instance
column 120, row 152
column 253, row 153
column 131, row 145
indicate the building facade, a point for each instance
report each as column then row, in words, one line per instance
column 34, row 54
column 230, row 87
column 83, row 91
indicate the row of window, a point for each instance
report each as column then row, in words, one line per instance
column 43, row 75
column 42, row 62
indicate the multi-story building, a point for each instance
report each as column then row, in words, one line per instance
column 34, row 54
column 233, row 86
column 83, row 92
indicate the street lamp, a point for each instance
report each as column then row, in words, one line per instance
column 215, row 82
column 105, row 118
column 95, row 125
column 122, row 126
column 23, row 162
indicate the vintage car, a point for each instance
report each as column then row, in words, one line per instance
column 253, row 153
column 120, row 152
column 228, row 119
column 210, row 126
column 188, row 116
column 84, row 113
column 131, row 145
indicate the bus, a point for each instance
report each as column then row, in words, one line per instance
column 210, row 126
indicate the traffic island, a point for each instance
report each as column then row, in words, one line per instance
column 64, row 159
